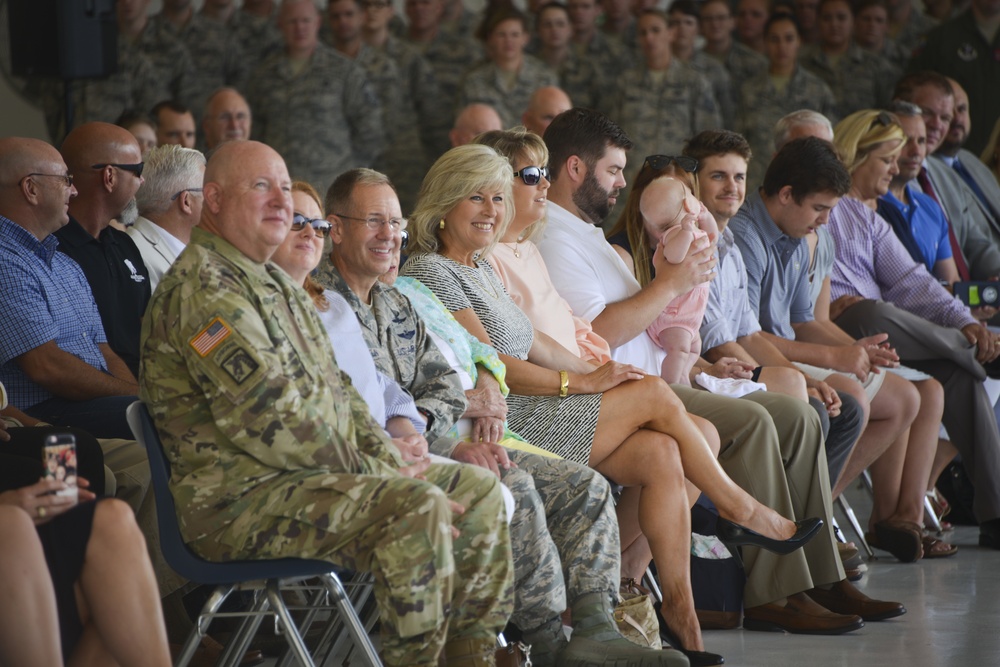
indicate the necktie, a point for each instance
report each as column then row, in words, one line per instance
column 956, row 249
column 971, row 182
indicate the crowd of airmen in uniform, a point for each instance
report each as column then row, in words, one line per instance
column 352, row 83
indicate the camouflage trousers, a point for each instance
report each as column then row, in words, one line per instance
column 429, row 587
column 564, row 536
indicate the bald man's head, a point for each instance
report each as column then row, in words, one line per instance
column 472, row 121
column 106, row 164
column 99, row 143
column 248, row 199
column 34, row 185
column 545, row 104
column 21, row 156
column 227, row 118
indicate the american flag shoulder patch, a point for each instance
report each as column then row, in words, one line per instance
column 209, row 337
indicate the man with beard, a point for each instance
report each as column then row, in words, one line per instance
column 976, row 175
column 772, row 444
column 974, row 250
column 106, row 165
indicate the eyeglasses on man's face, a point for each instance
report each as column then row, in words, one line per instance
column 67, row 178
column 374, row 222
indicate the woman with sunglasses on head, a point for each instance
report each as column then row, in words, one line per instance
column 667, row 219
column 626, row 425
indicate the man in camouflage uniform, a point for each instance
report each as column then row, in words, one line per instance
column 227, row 117
column 564, row 533
column 403, row 159
column 257, row 36
column 417, row 73
column 717, row 25
column 313, row 106
column 762, row 103
column 458, row 20
column 545, row 104
column 169, row 57
column 577, row 76
column 450, row 55
column 871, row 32
column 684, row 22
column 618, row 24
column 858, row 79
column 907, row 25
column 662, row 102
column 608, row 56
column 216, row 55
column 274, row 453
column 507, row 80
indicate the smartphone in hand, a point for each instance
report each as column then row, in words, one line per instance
column 59, row 460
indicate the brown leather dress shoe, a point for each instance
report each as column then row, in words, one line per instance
column 799, row 615
column 844, row 598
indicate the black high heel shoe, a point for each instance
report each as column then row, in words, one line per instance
column 696, row 658
column 734, row 535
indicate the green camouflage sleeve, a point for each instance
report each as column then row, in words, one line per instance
column 215, row 351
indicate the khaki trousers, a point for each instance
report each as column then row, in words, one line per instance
column 772, row 447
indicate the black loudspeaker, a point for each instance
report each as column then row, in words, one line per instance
column 69, row 39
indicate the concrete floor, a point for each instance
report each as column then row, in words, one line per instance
column 952, row 619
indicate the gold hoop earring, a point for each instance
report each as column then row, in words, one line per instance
column 441, row 224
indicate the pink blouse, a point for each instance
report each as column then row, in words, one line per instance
column 529, row 285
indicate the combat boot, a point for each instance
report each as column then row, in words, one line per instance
column 470, row 653
column 596, row 641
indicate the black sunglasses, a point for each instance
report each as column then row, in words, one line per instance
column 404, row 237
column 658, row 162
column 532, row 175
column 133, row 168
column 320, row 226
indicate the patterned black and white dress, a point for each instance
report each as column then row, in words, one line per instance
column 563, row 426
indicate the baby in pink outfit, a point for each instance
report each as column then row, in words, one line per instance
column 674, row 216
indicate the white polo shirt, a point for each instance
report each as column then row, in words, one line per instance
column 589, row 274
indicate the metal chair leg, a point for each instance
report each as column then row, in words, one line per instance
column 314, row 604
column 247, row 630
column 350, row 618
column 200, row 629
column 931, row 517
column 653, row 585
column 852, row 518
column 291, row 631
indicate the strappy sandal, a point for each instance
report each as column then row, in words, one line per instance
column 935, row 548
